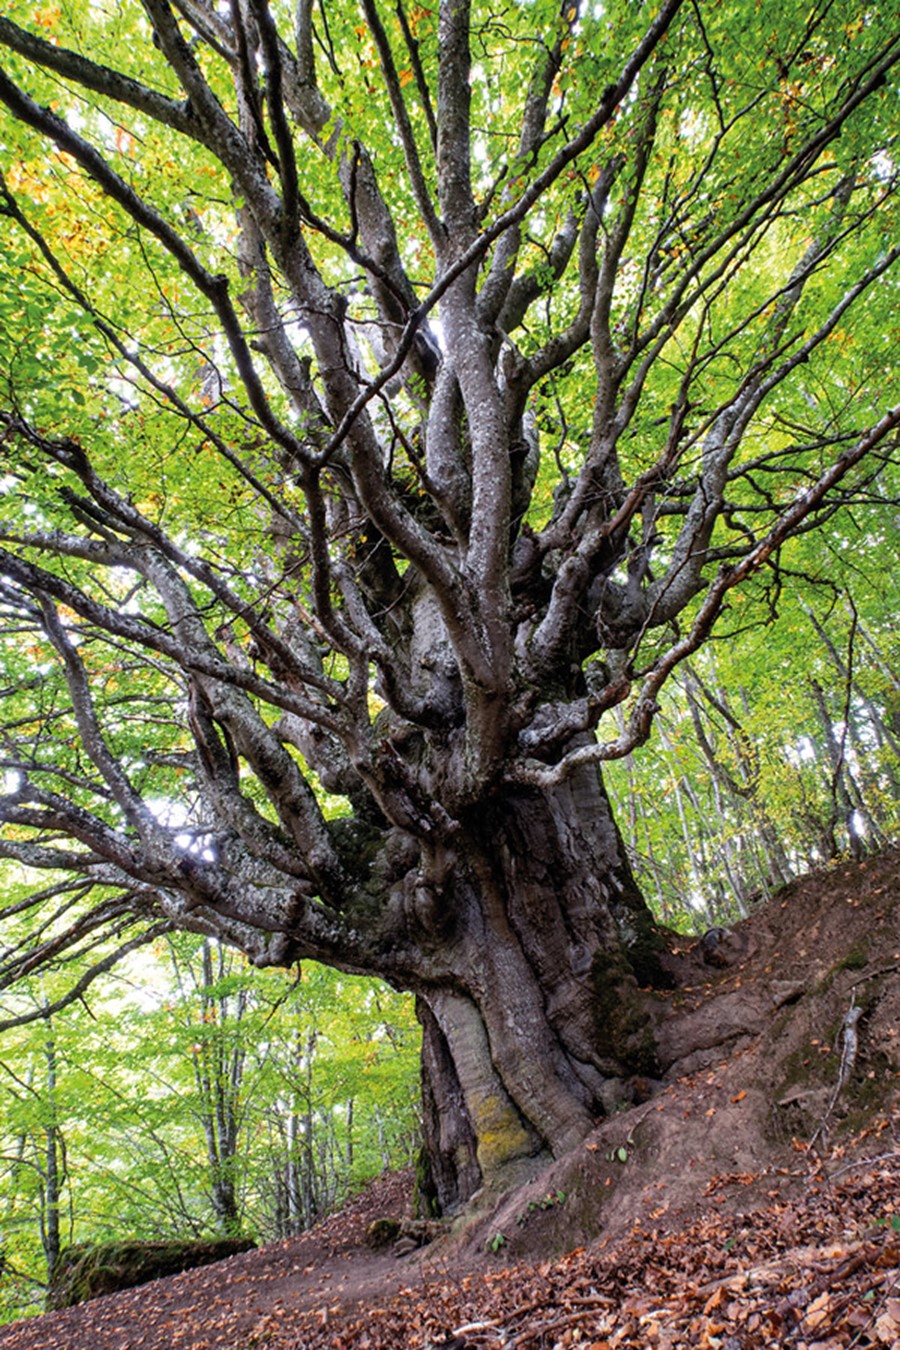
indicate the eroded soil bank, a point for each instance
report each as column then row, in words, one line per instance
column 780, row 1049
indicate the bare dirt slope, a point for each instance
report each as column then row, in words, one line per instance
column 752, row 1199
column 241, row 1302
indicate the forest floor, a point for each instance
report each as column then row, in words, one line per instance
column 752, row 1200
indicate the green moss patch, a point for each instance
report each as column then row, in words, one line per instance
column 623, row 1025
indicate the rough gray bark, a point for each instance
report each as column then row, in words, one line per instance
column 544, row 1026
column 401, row 612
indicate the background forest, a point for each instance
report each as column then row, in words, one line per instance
column 190, row 1095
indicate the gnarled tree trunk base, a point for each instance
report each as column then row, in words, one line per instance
column 753, row 1098
column 539, row 1026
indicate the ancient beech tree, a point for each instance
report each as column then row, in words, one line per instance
column 391, row 398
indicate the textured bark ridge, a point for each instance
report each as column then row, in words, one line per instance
column 540, row 1027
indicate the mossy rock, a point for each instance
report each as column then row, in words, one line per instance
column 412, row 1233
column 87, row 1270
column 382, row 1232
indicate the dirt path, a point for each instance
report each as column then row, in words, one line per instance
column 245, row 1300
column 820, row 1272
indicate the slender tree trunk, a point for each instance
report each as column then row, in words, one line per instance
column 53, row 1167
column 637, row 817
column 842, row 807
column 881, row 730
column 691, row 838
column 308, row 1187
column 218, row 1071
column 654, row 865
column 726, row 850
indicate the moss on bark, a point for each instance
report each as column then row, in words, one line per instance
column 623, row 1023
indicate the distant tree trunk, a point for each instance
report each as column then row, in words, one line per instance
column 349, row 1135
column 309, row 1201
column 726, row 851
column 884, row 665
column 662, row 901
column 634, row 805
column 54, row 1165
column 743, row 784
column 294, row 1216
column 881, row 730
column 218, row 1069
column 843, row 808
column 689, row 837
column 878, row 727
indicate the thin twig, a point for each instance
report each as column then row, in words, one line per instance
column 848, row 1059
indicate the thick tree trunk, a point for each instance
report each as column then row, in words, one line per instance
column 543, row 1027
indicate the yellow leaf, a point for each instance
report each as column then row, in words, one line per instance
column 47, row 17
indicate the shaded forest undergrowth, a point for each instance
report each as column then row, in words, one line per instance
column 752, row 1199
